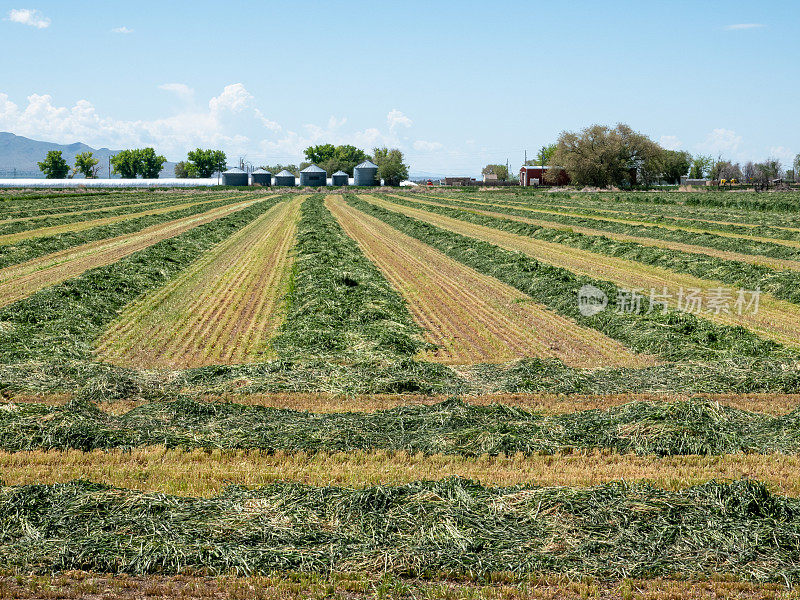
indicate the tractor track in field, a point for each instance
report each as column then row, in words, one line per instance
column 473, row 317
column 775, row 319
column 223, row 310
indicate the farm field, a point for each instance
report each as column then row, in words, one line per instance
column 281, row 394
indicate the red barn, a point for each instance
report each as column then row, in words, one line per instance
column 534, row 175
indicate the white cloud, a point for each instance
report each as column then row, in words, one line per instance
column 123, row 30
column 783, row 154
column 234, row 98
column 669, row 142
column 723, row 142
column 741, row 26
column 179, row 89
column 395, row 118
column 424, row 146
column 28, row 16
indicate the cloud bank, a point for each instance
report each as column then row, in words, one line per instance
column 28, row 16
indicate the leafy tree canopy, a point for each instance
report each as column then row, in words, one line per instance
column 675, row 164
column 86, row 164
column 391, row 167
column 54, row 166
column 500, row 170
column 140, row 161
column 204, row 163
column 335, row 158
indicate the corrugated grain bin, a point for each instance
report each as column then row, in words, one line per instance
column 285, row 179
column 340, row 178
column 366, row 173
column 262, row 178
column 235, row 176
column 313, row 176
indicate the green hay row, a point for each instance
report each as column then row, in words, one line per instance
column 452, row 528
column 451, row 427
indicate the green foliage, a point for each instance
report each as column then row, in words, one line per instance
column 275, row 169
column 141, row 161
column 390, row 165
column 335, row 158
column 452, row 527
column 339, row 304
column 601, row 156
column 182, row 169
column 674, row 165
column 701, row 167
column 54, row 166
column 150, row 163
column 500, row 170
column 204, row 163
column 86, row 164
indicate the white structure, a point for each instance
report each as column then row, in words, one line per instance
column 106, row 183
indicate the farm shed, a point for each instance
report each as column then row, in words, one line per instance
column 535, row 175
column 340, row 178
column 313, row 176
column 366, row 173
column 285, row 179
column 262, row 177
column 235, row 176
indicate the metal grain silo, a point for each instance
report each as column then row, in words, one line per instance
column 313, row 176
column 366, row 173
column 340, row 178
column 235, row 176
column 262, row 177
column 285, row 179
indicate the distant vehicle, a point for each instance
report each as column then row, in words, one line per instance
column 429, row 183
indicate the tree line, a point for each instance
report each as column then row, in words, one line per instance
column 601, row 156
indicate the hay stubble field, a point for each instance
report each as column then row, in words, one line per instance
column 367, row 394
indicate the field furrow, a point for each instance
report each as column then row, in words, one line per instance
column 22, row 280
column 755, row 259
column 473, row 317
column 223, row 310
column 84, row 210
column 775, row 319
column 13, row 238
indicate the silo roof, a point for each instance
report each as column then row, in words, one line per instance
column 235, row 170
column 313, row 169
column 341, row 173
column 367, row 164
column 285, row 173
column 261, row 172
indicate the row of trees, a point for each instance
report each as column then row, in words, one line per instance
column 201, row 163
column 128, row 164
column 602, row 156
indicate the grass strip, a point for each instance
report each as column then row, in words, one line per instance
column 695, row 426
column 62, row 322
column 451, row 527
column 339, row 304
column 205, row 474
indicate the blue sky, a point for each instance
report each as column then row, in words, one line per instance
column 455, row 84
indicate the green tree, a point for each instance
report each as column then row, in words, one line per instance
column 182, row 169
column 601, row 156
column 203, row 163
column 391, row 167
column 86, row 164
column 796, row 167
column 150, row 164
column 126, row 163
column 320, row 153
column 500, row 170
column 544, row 156
column 335, row 158
column 54, row 166
column 674, row 165
column 701, row 167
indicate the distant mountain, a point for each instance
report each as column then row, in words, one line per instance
column 19, row 155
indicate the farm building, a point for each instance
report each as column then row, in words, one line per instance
column 285, row 179
column 459, row 181
column 535, row 175
column 340, row 178
column 262, row 177
column 366, row 173
column 235, row 176
column 313, row 176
